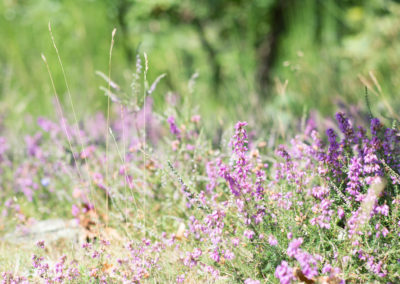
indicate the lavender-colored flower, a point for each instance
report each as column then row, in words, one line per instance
column 32, row 145
column 340, row 213
column 327, row 268
column 272, row 240
column 251, row 281
column 384, row 210
column 334, row 153
column 196, row 253
column 229, row 255
column 354, row 176
column 375, row 126
column 284, row 273
column 308, row 264
column 385, row 231
column 236, row 241
column 345, row 127
column 212, row 174
column 75, row 210
column 40, row 244
column 173, row 127
column 195, row 118
column 294, row 246
column 224, row 172
column 215, row 255
column 249, row 234
column 180, row 278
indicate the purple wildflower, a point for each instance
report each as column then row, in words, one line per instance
column 173, row 127
column 180, row 278
column 249, row 234
column 284, row 273
column 293, row 246
column 251, row 281
column 272, row 240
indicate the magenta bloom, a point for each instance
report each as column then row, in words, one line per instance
column 249, row 234
column 294, row 246
column 272, row 240
column 215, row 255
column 229, row 255
column 40, row 244
column 180, row 278
column 284, row 273
column 235, row 241
column 340, row 213
column 251, row 281
column 173, row 127
column 75, row 210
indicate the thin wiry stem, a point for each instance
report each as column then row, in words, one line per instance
column 122, row 158
column 108, row 114
column 75, row 116
column 62, row 115
column 144, row 142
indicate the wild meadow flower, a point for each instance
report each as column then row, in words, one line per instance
column 307, row 263
column 340, row 213
column 173, row 127
column 215, row 255
column 195, row 118
column 212, row 174
column 251, row 281
column 284, row 273
column 180, row 278
column 236, row 241
column 345, row 127
column 294, row 246
column 9, row 277
column 229, row 255
column 249, row 234
column 239, row 203
column 40, row 244
column 375, row 126
column 272, row 240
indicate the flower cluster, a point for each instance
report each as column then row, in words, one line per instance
column 317, row 209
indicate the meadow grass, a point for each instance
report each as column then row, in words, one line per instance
column 158, row 201
column 160, row 197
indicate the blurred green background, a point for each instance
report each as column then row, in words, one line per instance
column 252, row 57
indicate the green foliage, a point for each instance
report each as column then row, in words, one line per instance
column 243, row 51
